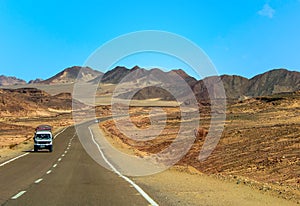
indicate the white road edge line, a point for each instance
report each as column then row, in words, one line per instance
column 13, row 159
column 140, row 190
column 38, row 181
column 18, row 195
column 60, row 132
column 22, row 155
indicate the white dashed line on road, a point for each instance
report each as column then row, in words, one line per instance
column 49, row 171
column 18, row 195
column 38, row 181
column 55, row 165
column 59, row 159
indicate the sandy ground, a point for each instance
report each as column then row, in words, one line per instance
column 259, row 147
column 178, row 186
column 187, row 186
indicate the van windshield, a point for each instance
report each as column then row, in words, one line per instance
column 43, row 136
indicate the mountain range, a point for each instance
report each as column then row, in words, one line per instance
column 236, row 87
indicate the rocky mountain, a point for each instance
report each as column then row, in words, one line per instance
column 139, row 83
column 70, row 75
column 274, row 81
column 190, row 80
column 236, row 87
column 115, row 75
column 7, row 80
column 121, row 73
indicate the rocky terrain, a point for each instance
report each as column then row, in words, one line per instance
column 260, row 146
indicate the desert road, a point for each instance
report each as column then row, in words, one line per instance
column 67, row 176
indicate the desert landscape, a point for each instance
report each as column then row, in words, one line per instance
column 259, row 147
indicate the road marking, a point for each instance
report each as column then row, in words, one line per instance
column 49, row 171
column 66, row 152
column 13, row 159
column 60, row 132
column 140, row 190
column 55, row 165
column 38, row 181
column 18, row 195
column 59, row 159
column 63, row 155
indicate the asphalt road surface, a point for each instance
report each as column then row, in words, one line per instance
column 67, row 176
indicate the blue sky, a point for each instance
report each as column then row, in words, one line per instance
column 243, row 37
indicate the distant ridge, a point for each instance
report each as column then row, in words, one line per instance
column 38, row 80
column 8, row 80
column 236, row 87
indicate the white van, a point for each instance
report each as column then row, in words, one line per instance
column 43, row 138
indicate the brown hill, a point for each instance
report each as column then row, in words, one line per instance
column 37, row 80
column 12, row 104
column 190, row 80
column 7, row 80
column 72, row 74
column 32, row 101
column 151, row 92
column 140, row 84
column 273, row 82
column 237, row 87
column 234, row 86
column 115, row 76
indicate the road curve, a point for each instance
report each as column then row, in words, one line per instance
column 67, row 176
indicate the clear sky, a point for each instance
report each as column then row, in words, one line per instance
column 243, row 37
